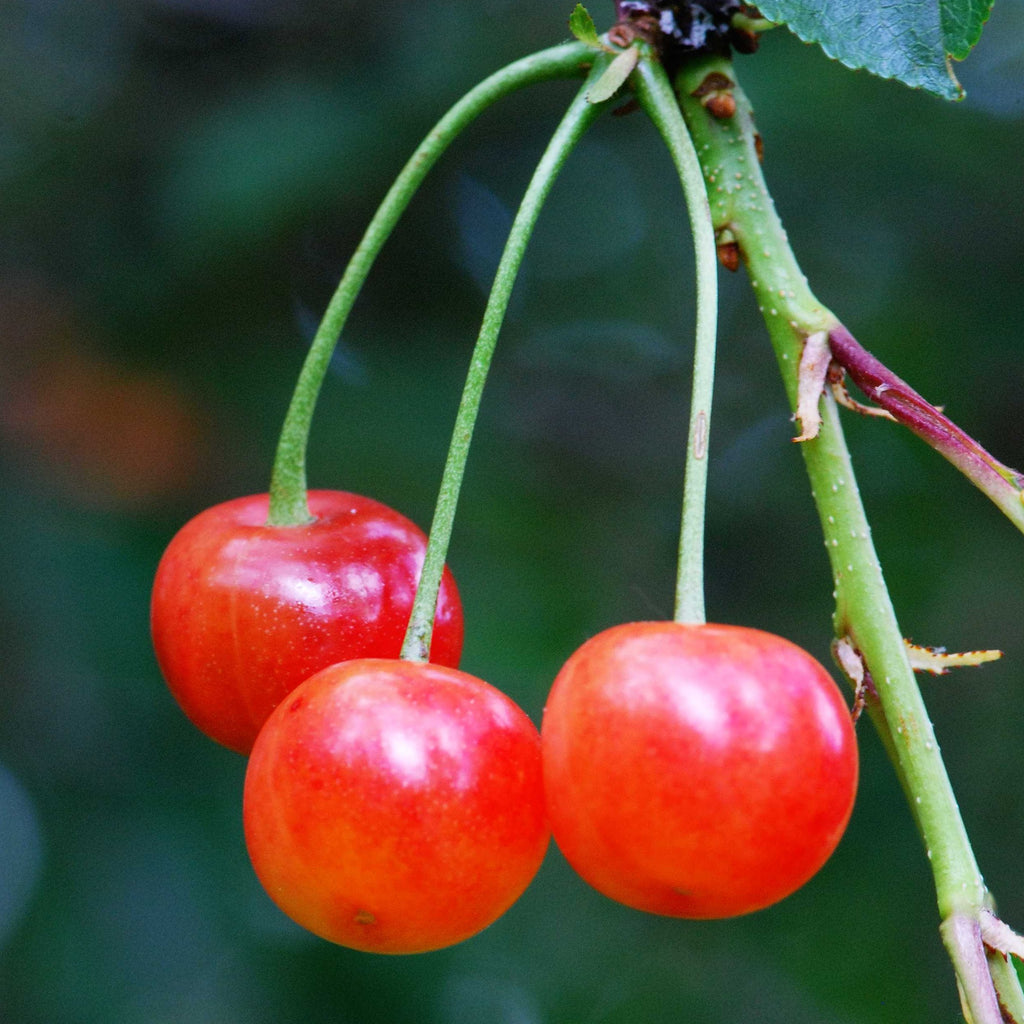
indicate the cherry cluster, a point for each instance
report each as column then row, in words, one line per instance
column 398, row 806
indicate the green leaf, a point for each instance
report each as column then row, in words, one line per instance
column 614, row 75
column 581, row 25
column 962, row 22
column 909, row 40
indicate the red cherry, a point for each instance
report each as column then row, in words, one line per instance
column 696, row 770
column 395, row 807
column 243, row 612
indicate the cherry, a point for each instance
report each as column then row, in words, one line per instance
column 395, row 806
column 243, row 612
column 696, row 771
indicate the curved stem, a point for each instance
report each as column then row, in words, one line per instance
column 580, row 115
column 657, row 98
column 744, row 213
column 288, row 504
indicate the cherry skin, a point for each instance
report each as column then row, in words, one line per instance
column 242, row 612
column 698, row 771
column 395, row 807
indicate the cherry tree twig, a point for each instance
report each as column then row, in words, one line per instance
column 807, row 337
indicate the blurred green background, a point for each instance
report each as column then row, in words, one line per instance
column 181, row 183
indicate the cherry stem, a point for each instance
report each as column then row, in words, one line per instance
column 655, row 94
column 580, row 115
column 749, row 23
column 744, row 214
column 288, row 501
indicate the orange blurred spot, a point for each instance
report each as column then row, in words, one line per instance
column 110, row 434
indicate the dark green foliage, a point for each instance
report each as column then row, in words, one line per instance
column 909, row 41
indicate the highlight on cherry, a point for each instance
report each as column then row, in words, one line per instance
column 242, row 611
column 697, row 771
column 395, row 806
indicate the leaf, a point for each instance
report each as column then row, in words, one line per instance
column 962, row 22
column 909, row 40
column 614, row 75
column 581, row 25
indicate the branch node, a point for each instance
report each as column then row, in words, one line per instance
column 814, row 366
column 851, row 661
column 1000, row 937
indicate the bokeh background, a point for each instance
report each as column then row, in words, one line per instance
column 181, row 183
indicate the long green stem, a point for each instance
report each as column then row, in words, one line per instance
column 657, row 98
column 580, row 115
column 744, row 214
column 288, row 504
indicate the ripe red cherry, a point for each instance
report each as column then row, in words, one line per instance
column 395, row 807
column 696, row 770
column 243, row 612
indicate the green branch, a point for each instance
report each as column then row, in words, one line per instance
column 744, row 216
column 288, row 505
